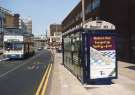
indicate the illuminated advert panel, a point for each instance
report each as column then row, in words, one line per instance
column 102, row 56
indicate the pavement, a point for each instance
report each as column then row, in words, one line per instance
column 63, row 82
column 22, row 77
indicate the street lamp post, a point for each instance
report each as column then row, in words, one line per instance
column 83, row 12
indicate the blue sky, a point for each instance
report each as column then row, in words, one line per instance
column 42, row 12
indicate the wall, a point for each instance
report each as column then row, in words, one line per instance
column 132, row 28
column 116, row 12
column 11, row 21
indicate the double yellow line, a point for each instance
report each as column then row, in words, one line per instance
column 43, row 84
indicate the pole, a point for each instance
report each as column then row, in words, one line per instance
column 83, row 12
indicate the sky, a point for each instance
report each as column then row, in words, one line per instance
column 42, row 12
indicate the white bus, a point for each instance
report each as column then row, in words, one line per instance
column 18, row 46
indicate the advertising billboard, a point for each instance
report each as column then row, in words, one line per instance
column 102, row 56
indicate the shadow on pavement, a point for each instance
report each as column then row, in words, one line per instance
column 131, row 67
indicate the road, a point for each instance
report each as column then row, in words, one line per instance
column 22, row 77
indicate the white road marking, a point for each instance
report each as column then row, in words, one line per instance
column 17, row 67
column 4, row 74
column 4, row 59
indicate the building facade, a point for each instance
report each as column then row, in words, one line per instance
column 28, row 23
column 55, row 35
column 3, row 11
column 118, row 12
column 11, row 20
column 40, row 42
column 10, row 23
column 1, row 28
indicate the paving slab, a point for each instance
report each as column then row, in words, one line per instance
column 65, row 83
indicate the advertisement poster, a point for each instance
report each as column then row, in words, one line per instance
column 102, row 57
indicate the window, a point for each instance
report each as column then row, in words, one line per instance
column 92, row 6
column 13, row 46
column 95, row 4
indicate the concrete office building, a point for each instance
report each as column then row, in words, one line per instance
column 11, row 23
column 118, row 12
column 28, row 23
column 3, row 13
column 1, row 27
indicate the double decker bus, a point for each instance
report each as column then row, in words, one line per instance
column 18, row 45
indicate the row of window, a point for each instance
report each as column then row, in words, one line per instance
column 90, row 8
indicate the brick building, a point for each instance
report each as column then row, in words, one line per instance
column 118, row 12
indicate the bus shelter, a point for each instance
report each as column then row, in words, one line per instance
column 89, row 52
